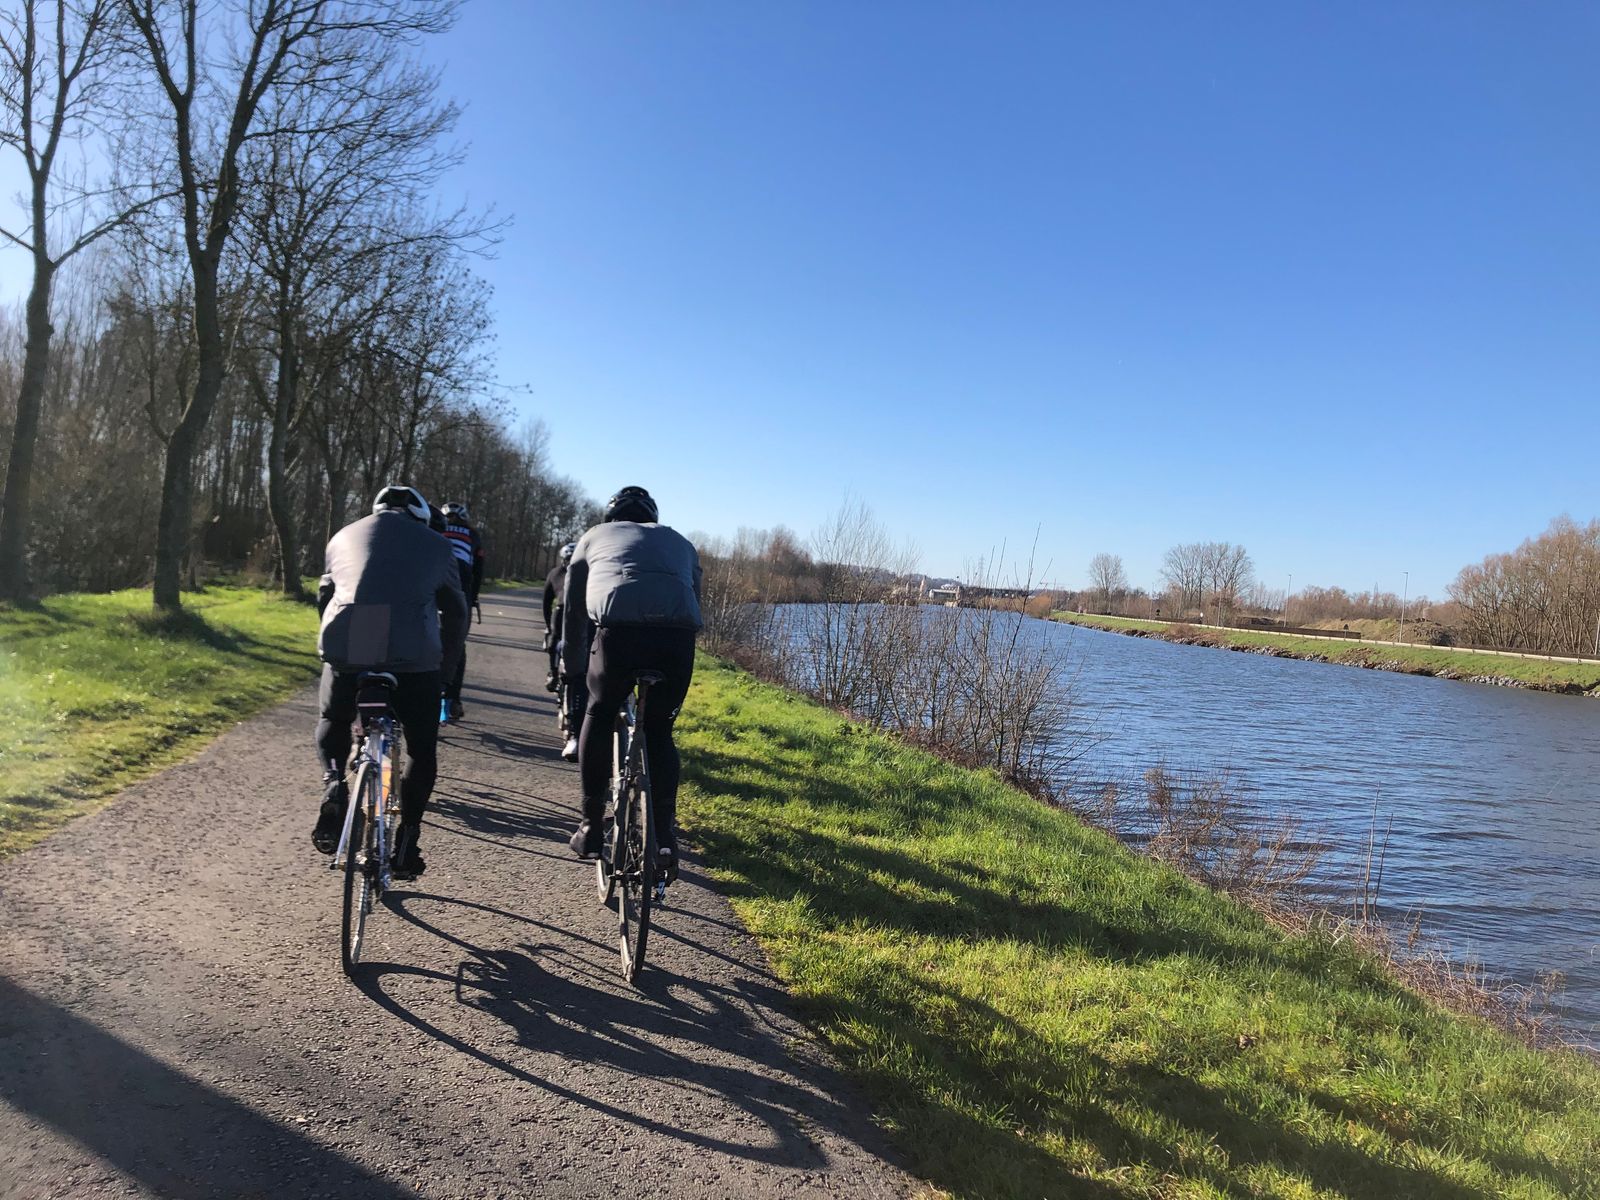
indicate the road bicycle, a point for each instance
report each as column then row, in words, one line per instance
column 627, row 869
column 370, row 820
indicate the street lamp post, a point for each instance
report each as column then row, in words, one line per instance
column 1286, row 596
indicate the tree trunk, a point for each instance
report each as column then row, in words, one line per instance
column 172, row 526
column 15, row 517
column 279, row 503
column 336, row 490
column 177, row 477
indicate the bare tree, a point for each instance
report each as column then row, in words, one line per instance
column 1228, row 575
column 214, row 67
column 1107, row 579
column 1208, row 574
column 52, row 88
column 1184, row 569
column 856, row 561
column 1543, row 596
column 334, row 189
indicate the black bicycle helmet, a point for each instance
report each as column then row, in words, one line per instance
column 406, row 499
column 566, row 551
column 458, row 509
column 632, row 504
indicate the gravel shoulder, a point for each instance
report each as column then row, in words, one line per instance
column 174, row 1022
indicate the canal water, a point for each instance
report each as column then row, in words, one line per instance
column 1494, row 792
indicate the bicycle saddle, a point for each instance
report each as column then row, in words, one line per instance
column 374, row 690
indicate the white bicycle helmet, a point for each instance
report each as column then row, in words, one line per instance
column 407, row 499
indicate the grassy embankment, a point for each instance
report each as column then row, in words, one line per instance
column 98, row 692
column 1035, row 1011
column 1535, row 673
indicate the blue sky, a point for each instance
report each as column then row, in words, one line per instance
column 1321, row 279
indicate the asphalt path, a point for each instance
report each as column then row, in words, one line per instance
column 174, row 1022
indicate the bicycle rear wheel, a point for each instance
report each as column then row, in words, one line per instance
column 360, row 862
column 636, row 840
column 605, row 880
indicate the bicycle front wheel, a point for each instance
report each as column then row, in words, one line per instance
column 636, row 842
column 360, row 865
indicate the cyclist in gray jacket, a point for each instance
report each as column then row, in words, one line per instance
column 391, row 600
column 638, row 582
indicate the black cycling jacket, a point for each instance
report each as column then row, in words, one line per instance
column 554, row 585
column 391, row 598
column 629, row 573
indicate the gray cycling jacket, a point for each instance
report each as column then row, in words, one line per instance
column 391, row 599
column 626, row 573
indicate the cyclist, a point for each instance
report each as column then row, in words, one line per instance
column 391, row 600
column 468, row 549
column 554, row 587
column 639, row 583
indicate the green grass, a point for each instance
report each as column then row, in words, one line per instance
column 98, row 692
column 1097, row 621
column 1533, row 672
column 1036, row 1012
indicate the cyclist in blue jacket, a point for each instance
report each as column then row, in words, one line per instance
column 467, row 547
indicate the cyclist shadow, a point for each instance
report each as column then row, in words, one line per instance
column 693, row 1036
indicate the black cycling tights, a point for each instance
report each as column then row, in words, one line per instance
column 615, row 657
column 416, row 704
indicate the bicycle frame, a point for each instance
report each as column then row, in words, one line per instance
column 375, row 753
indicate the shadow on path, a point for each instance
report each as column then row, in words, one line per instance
column 175, row 1135
column 672, row 1035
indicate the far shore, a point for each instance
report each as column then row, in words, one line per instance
column 1565, row 677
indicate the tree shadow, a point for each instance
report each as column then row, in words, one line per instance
column 487, row 639
column 1086, row 1095
column 1434, row 1131
column 509, row 826
column 842, row 876
column 505, row 746
column 470, row 693
column 499, row 789
column 186, row 625
column 173, row 1134
column 854, row 872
